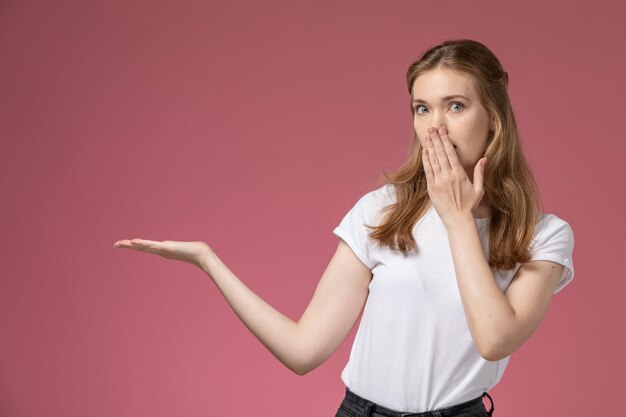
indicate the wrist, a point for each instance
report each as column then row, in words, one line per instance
column 208, row 260
column 459, row 221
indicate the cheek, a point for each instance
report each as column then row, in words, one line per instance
column 420, row 132
column 469, row 131
column 478, row 129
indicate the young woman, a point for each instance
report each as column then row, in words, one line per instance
column 452, row 261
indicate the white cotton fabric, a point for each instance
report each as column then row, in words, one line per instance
column 413, row 351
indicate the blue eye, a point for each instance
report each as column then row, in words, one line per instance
column 459, row 104
column 456, row 103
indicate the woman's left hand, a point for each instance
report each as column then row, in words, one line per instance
column 450, row 190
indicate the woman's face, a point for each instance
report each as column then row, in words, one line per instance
column 463, row 116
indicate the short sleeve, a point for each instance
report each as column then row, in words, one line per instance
column 554, row 241
column 352, row 228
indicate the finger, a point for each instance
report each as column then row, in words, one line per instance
column 146, row 242
column 453, row 158
column 479, row 174
column 137, row 244
column 126, row 243
column 442, row 156
column 121, row 243
column 427, row 168
column 432, row 156
column 140, row 241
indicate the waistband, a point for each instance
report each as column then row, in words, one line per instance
column 366, row 407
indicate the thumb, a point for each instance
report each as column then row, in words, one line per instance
column 479, row 171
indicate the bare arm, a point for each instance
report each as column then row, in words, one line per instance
column 303, row 345
column 499, row 323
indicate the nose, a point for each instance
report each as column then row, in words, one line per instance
column 438, row 120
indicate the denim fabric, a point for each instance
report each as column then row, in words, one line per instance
column 355, row 406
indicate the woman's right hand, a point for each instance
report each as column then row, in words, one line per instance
column 190, row 252
column 303, row 345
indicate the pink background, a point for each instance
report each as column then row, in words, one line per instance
column 255, row 126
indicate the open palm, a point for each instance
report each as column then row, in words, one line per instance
column 190, row 252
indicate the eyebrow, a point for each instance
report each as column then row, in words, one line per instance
column 419, row 100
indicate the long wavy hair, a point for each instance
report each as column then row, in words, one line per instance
column 511, row 192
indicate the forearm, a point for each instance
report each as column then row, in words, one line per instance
column 277, row 332
column 489, row 314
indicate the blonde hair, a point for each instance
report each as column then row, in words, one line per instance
column 510, row 189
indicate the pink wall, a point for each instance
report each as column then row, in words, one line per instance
column 254, row 127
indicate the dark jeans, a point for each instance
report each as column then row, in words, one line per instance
column 355, row 406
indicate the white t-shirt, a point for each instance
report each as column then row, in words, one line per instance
column 413, row 351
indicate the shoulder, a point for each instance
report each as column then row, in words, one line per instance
column 553, row 240
column 381, row 193
column 372, row 201
column 550, row 227
column 353, row 228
